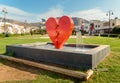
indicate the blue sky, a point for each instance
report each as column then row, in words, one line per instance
column 34, row 10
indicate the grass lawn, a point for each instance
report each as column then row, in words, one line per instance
column 108, row 71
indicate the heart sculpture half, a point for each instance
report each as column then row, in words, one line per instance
column 59, row 30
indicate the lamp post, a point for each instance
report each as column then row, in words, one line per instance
column 109, row 13
column 4, row 10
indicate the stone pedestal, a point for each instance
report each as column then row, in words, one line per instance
column 87, row 58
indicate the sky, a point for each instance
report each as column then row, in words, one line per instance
column 35, row 10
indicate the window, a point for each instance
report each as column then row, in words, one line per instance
column 113, row 24
column 86, row 27
column 96, row 26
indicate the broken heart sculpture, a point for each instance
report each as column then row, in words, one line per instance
column 59, row 30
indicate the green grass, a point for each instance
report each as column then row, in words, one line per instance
column 108, row 71
column 20, row 40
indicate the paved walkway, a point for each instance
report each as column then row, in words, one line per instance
column 70, row 37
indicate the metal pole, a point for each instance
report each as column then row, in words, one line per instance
column 109, row 21
column 4, row 23
column 5, row 12
column 109, row 13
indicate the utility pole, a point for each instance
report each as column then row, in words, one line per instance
column 109, row 13
column 4, row 10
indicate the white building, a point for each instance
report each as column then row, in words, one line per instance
column 104, row 27
column 86, row 26
column 11, row 28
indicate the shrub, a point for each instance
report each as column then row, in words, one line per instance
column 74, row 32
column 104, row 35
column 109, row 35
column 2, row 35
column 119, row 36
column 83, row 32
column 12, row 54
column 39, row 31
column 14, row 35
column 11, row 35
column 116, row 30
column 96, row 35
column 113, row 35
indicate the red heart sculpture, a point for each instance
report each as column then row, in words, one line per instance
column 59, row 30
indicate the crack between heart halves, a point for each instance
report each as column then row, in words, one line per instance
column 57, row 34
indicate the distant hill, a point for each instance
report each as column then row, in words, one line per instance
column 37, row 24
column 77, row 21
column 13, row 21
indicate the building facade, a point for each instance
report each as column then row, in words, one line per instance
column 101, row 27
column 11, row 28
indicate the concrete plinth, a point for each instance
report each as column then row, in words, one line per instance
column 87, row 57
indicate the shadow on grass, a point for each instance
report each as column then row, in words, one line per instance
column 39, row 71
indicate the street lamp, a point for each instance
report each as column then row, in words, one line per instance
column 4, row 10
column 109, row 13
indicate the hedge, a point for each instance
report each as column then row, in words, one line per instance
column 12, row 35
column 109, row 35
column 116, row 30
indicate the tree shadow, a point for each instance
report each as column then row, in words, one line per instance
column 38, row 71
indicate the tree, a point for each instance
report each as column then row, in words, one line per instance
column 116, row 30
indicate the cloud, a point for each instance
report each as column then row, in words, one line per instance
column 91, row 14
column 18, row 14
column 14, row 10
column 56, row 11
